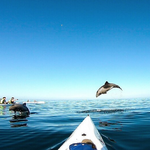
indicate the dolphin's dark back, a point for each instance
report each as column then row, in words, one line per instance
column 19, row 107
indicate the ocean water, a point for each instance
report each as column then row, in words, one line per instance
column 124, row 124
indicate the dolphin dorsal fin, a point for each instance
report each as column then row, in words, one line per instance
column 24, row 104
column 106, row 82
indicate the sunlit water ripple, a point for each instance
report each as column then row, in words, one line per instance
column 123, row 123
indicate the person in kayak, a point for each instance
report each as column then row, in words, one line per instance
column 12, row 100
column 3, row 100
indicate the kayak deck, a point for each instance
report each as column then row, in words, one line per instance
column 85, row 133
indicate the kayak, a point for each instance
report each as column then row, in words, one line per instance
column 37, row 102
column 85, row 137
column 6, row 104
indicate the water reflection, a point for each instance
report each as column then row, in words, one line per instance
column 2, row 110
column 19, row 120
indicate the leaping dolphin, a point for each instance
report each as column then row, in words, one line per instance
column 20, row 108
column 106, row 87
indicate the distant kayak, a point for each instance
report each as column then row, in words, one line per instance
column 6, row 104
column 85, row 137
column 35, row 102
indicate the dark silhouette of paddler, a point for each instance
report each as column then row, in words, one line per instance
column 106, row 87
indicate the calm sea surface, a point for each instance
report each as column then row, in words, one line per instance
column 124, row 124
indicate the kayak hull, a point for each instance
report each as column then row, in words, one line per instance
column 40, row 102
column 6, row 104
column 86, row 132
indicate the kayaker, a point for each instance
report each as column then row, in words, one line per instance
column 12, row 101
column 3, row 100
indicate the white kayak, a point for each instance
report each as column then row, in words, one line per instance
column 86, row 136
column 36, row 102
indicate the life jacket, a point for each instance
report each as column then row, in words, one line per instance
column 10, row 101
column 2, row 101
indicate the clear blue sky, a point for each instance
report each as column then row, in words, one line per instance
column 67, row 49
